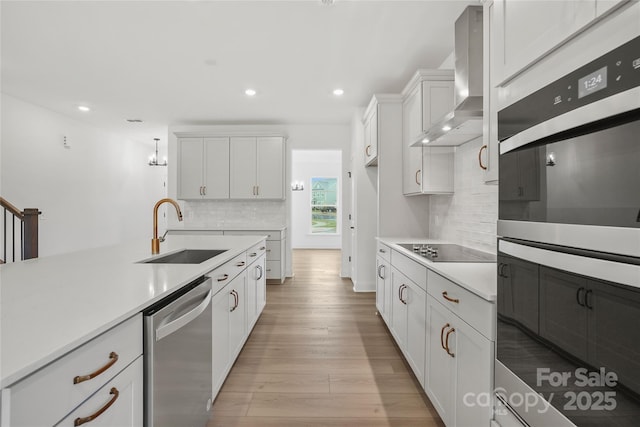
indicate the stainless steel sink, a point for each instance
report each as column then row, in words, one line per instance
column 186, row 256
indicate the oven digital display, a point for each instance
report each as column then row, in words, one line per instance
column 592, row 83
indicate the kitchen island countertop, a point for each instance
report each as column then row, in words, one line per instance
column 51, row 305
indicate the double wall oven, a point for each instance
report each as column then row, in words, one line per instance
column 568, row 328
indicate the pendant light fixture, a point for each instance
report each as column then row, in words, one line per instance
column 153, row 160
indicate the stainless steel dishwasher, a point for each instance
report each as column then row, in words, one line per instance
column 177, row 352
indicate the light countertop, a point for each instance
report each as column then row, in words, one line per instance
column 51, row 305
column 205, row 227
column 477, row 277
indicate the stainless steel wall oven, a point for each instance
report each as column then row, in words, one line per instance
column 568, row 329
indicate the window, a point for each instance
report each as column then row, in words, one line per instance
column 324, row 205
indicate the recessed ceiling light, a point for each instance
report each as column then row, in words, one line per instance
column 250, row 92
column 338, row 92
column 83, row 108
column 446, row 128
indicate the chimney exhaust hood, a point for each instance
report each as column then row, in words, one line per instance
column 464, row 123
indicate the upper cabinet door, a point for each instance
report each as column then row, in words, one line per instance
column 411, row 156
column 270, row 168
column 243, row 168
column 190, row 168
column 371, row 136
column 216, row 168
column 526, row 30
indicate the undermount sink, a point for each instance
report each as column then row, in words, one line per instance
column 186, row 256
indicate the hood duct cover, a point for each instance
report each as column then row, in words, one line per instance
column 465, row 121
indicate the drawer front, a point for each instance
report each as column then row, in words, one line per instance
column 273, row 250
column 256, row 252
column 52, row 390
column 274, row 270
column 227, row 271
column 383, row 251
column 124, row 397
column 413, row 270
column 271, row 234
column 474, row 310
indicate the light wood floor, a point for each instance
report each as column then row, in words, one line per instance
column 320, row 356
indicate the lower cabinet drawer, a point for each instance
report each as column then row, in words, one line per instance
column 256, row 252
column 227, row 271
column 50, row 393
column 119, row 403
column 273, row 250
column 274, row 270
column 469, row 307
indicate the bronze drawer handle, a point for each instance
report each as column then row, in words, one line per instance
column 223, row 278
column 113, row 356
column 446, row 338
column 262, row 248
column 253, row 254
column 79, row 421
column 240, row 264
column 448, row 298
column 366, row 150
column 236, row 299
column 259, row 268
column 418, row 172
column 483, row 167
column 442, row 336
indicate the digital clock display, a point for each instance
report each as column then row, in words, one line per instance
column 592, row 83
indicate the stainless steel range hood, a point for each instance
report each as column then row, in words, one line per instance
column 464, row 123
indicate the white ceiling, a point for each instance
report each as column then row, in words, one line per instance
column 189, row 62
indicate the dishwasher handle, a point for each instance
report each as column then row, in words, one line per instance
column 183, row 320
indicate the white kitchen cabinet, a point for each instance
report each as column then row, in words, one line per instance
column 408, row 325
column 220, row 306
column 257, row 168
column 489, row 152
column 370, row 122
column 426, row 98
column 256, row 290
column 54, row 389
column 203, row 168
column 121, row 401
column 236, row 290
column 276, row 251
column 459, row 361
column 527, row 30
column 383, row 289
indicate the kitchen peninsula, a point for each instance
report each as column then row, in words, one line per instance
column 51, row 306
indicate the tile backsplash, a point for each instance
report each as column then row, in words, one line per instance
column 230, row 213
column 469, row 216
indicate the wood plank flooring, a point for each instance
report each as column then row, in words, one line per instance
column 321, row 356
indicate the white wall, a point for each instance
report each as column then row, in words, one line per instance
column 306, row 164
column 300, row 136
column 98, row 192
column 469, row 216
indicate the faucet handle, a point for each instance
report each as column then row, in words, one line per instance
column 163, row 236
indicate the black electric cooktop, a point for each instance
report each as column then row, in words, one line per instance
column 448, row 252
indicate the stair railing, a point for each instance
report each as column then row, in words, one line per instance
column 25, row 241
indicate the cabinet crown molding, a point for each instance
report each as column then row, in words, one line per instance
column 426, row 74
column 382, row 98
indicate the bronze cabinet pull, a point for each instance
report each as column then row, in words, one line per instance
column 400, row 289
column 113, row 356
column 483, row 167
column 380, row 267
column 223, row 278
column 418, row 172
column 366, row 150
column 442, row 336
column 448, row 298
column 259, row 268
column 240, row 264
column 262, row 248
column 235, row 300
column 253, row 254
column 382, row 251
column 446, row 339
column 79, row 421
column 204, row 190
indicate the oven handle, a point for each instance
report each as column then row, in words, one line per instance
column 612, row 105
column 611, row 271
